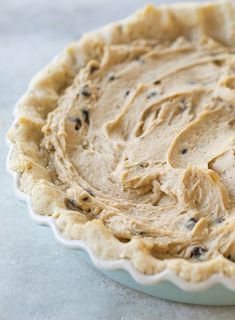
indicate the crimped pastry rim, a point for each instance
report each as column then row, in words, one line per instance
column 124, row 264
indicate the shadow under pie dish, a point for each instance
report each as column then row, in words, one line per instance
column 125, row 143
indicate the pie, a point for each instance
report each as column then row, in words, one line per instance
column 127, row 139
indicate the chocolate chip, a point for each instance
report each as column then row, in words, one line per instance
column 127, row 93
column 218, row 62
column 93, row 68
column 78, row 124
column 85, row 92
column 111, row 78
column 191, row 223
column 229, row 257
column 157, row 82
column 86, row 116
column 142, row 233
column 151, row 95
column 183, row 151
column 197, row 251
column 77, row 121
column 144, row 164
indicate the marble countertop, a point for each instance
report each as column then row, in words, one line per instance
column 39, row 279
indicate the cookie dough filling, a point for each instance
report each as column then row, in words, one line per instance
column 139, row 154
column 144, row 140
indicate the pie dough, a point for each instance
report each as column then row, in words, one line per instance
column 127, row 139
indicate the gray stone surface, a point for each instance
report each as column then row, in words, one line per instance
column 39, row 279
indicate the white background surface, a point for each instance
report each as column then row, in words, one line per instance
column 39, row 279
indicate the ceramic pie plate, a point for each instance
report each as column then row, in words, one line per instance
column 216, row 290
